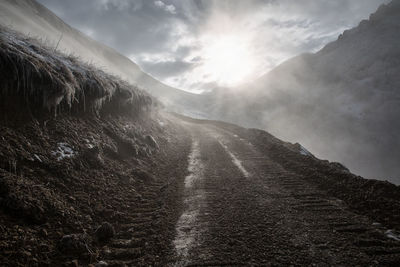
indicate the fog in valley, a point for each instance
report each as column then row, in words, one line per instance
column 341, row 102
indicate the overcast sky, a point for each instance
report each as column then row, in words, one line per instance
column 198, row 44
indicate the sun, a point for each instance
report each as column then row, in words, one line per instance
column 228, row 59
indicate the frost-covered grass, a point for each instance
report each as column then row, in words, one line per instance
column 41, row 77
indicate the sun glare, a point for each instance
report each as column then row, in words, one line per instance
column 228, row 59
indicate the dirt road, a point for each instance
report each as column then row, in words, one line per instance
column 241, row 207
column 207, row 193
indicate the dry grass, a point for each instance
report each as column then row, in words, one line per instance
column 40, row 78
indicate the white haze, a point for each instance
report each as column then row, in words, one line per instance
column 341, row 103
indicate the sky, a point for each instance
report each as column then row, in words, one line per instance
column 198, row 45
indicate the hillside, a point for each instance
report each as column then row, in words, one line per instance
column 342, row 102
column 93, row 173
column 33, row 19
column 79, row 149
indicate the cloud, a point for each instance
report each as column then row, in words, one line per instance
column 114, row 4
column 166, row 37
column 168, row 8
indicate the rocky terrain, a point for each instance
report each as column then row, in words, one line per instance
column 85, row 168
column 340, row 102
column 93, row 172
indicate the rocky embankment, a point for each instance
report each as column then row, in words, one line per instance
column 84, row 157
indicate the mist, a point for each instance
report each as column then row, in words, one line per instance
column 338, row 100
column 340, row 103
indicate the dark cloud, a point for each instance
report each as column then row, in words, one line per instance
column 163, row 35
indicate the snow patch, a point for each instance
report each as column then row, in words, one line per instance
column 63, row 151
column 187, row 228
column 304, row 151
column 195, row 166
column 37, row 157
column 89, row 144
column 235, row 160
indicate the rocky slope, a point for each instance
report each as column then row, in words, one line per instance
column 92, row 172
column 342, row 102
column 79, row 148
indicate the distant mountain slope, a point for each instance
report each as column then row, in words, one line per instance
column 32, row 18
column 343, row 102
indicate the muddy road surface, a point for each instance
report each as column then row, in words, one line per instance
column 241, row 207
column 174, row 191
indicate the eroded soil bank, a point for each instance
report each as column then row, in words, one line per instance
column 62, row 178
column 161, row 189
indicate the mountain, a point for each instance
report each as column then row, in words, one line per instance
column 112, row 180
column 33, row 19
column 342, row 103
column 94, row 173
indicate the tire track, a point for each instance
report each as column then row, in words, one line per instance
column 235, row 160
column 188, row 228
